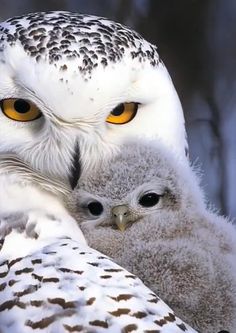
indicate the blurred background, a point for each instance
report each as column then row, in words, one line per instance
column 196, row 42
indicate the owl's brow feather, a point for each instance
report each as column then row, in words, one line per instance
column 11, row 164
column 82, row 123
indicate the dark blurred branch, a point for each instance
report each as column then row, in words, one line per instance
column 215, row 125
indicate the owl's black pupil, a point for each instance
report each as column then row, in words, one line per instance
column 95, row 208
column 149, row 199
column 117, row 111
column 21, row 106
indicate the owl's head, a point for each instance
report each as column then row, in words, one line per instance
column 77, row 85
column 142, row 179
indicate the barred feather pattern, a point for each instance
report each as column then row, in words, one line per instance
column 68, row 287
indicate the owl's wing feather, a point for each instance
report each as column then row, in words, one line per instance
column 68, row 287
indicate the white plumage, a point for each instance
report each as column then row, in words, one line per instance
column 66, row 287
column 32, row 203
column 182, row 251
column 50, row 282
column 62, row 76
column 72, row 88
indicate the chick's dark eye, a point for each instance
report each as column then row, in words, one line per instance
column 95, row 208
column 149, row 199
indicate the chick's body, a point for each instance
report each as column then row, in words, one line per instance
column 182, row 251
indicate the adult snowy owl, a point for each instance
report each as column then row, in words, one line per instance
column 147, row 212
column 77, row 84
column 51, row 281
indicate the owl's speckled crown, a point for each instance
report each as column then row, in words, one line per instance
column 96, row 41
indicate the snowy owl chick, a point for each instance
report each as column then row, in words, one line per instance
column 148, row 213
column 51, row 281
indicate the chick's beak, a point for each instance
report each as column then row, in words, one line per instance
column 121, row 216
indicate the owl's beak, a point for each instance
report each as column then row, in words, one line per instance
column 75, row 169
column 121, row 216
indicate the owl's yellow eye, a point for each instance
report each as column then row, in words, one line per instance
column 123, row 113
column 20, row 109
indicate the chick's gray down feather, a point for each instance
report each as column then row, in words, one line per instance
column 180, row 249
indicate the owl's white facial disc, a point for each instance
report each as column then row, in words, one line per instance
column 77, row 69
